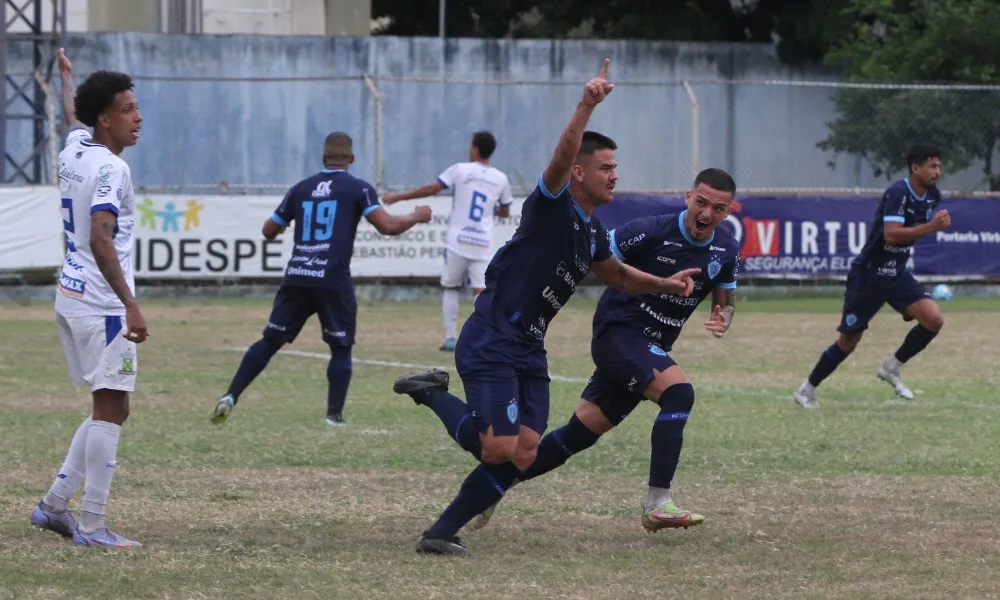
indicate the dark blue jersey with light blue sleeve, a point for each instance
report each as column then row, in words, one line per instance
column 536, row 272
column 326, row 209
column 899, row 204
column 661, row 245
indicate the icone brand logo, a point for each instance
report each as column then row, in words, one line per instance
column 322, row 190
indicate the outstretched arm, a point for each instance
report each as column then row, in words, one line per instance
column 421, row 192
column 594, row 92
column 624, row 278
column 387, row 224
column 68, row 91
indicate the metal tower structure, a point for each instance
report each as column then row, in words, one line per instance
column 28, row 54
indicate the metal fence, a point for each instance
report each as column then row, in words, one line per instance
column 254, row 135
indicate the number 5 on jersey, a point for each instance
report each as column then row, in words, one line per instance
column 324, row 213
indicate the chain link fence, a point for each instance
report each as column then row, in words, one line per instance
column 259, row 135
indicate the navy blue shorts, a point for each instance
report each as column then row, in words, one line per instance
column 866, row 293
column 506, row 382
column 625, row 361
column 294, row 304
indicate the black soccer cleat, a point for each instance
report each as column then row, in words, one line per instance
column 449, row 546
column 411, row 383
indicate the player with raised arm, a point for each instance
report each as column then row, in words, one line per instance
column 326, row 209
column 500, row 353
column 96, row 289
column 479, row 191
column 878, row 276
column 634, row 334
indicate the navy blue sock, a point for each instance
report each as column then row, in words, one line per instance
column 484, row 486
column 668, row 433
column 254, row 362
column 915, row 341
column 338, row 374
column 456, row 418
column 828, row 363
column 558, row 445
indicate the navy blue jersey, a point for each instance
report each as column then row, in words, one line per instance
column 536, row 272
column 660, row 245
column 326, row 209
column 899, row 204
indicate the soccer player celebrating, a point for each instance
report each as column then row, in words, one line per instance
column 878, row 276
column 500, row 353
column 479, row 191
column 326, row 209
column 96, row 290
column 634, row 334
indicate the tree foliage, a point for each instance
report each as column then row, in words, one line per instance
column 931, row 41
column 801, row 28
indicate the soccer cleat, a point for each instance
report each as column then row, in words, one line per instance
column 668, row 516
column 104, row 537
column 448, row 345
column 483, row 518
column 892, row 378
column 449, row 545
column 223, row 409
column 336, row 420
column 410, row 383
column 805, row 396
column 62, row 523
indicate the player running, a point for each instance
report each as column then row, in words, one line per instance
column 878, row 276
column 500, row 353
column 326, row 209
column 479, row 191
column 96, row 290
column 634, row 334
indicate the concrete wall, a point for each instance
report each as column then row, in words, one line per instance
column 251, row 130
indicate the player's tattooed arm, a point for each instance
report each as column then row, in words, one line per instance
column 68, row 92
column 722, row 314
column 102, row 229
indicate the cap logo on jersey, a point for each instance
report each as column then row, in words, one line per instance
column 323, row 190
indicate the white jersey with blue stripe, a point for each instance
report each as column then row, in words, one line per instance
column 93, row 179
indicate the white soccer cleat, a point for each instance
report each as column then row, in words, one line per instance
column 805, row 396
column 886, row 373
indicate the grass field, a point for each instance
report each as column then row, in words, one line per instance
column 871, row 497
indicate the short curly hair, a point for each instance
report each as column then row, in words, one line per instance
column 97, row 94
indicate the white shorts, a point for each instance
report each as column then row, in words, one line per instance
column 460, row 271
column 97, row 353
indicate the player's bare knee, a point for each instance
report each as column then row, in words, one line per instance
column 111, row 406
column 662, row 380
column 849, row 341
column 498, row 450
column 593, row 418
column 933, row 321
column 525, row 456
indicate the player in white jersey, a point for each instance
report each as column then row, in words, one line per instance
column 479, row 192
column 98, row 318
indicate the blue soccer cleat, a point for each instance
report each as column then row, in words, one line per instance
column 105, row 538
column 62, row 523
column 448, row 345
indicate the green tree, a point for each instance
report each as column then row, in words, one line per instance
column 802, row 29
column 929, row 41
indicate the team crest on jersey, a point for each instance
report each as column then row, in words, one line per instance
column 714, row 266
column 657, row 350
column 512, row 411
column 128, row 363
column 850, row 319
